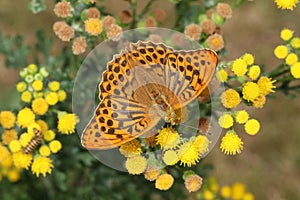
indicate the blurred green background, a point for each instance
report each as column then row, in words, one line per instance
column 270, row 162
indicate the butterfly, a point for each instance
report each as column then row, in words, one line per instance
column 145, row 83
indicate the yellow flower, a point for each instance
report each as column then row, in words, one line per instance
column 286, row 34
column 241, row 116
column 66, row 123
column 39, row 106
column 222, row 75
column 62, row 95
column 22, row 160
column 225, row 192
column 265, row 85
column 295, row 70
column 250, row 91
column 93, row 26
column 49, row 135
column 238, row 190
column 7, row 119
column 55, row 146
column 281, row 51
column 226, row 121
column 4, row 153
column 170, row 157
column 188, row 154
column 252, row 127
column 25, row 138
column 295, row 42
column 193, row 183
column 136, row 165
column 168, row 138
column 248, row 58
column 152, row 172
column 7, row 162
column 21, row 86
column 43, row 125
column 15, row 146
column 31, row 127
column 208, row 195
column 54, row 86
column 37, row 85
column 230, row 98
column 254, row 72
column 25, row 117
column 248, row 196
column 201, row 144
column 291, row 59
column 13, row 175
column 9, row 135
column 131, row 148
column 52, row 98
column 259, row 102
column 286, row 4
column 231, row 144
column 239, row 67
column 41, row 165
column 44, row 150
column 26, row 96
column 32, row 68
column 164, row 182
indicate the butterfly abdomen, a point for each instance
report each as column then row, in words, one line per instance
column 35, row 141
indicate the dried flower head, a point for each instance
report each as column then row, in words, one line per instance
column 209, row 12
column 224, row 10
column 79, row 45
column 208, row 26
column 125, row 16
column 108, row 20
column 215, row 42
column 113, row 32
column 58, row 25
column 177, row 39
column 93, row 13
column 150, row 22
column 159, row 15
column 193, row 183
column 63, row 9
column 63, row 31
column 155, row 38
column 193, row 31
column 152, row 172
column 203, row 125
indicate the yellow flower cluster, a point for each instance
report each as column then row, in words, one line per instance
column 289, row 52
column 235, row 191
column 286, row 4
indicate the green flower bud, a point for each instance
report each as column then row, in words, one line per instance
column 29, row 78
column 201, row 18
column 23, row 72
column 219, row 21
column 38, row 76
column 44, row 72
column 187, row 174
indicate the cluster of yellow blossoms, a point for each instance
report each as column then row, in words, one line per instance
column 26, row 140
column 212, row 190
column 246, row 85
column 172, row 149
column 289, row 53
column 286, row 4
column 83, row 22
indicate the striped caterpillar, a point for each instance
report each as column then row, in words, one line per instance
column 35, row 141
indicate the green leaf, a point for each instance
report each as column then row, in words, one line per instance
column 37, row 6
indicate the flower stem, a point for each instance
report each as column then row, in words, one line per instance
column 237, row 3
column 145, row 9
column 134, row 16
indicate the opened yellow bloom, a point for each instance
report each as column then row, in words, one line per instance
column 39, row 106
column 241, row 116
column 281, row 51
column 22, row 160
column 201, row 144
column 164, row 182
column 131, row 148
column 52, row 98
column 248, row 58
column 286, row 34
column 43, row 125
column 239, row 67
column 62, row 95
column 170, row 157
column 238, row 190
column 25, row 117
column 254, row 72
column 225, row 192
column 7, row 119
column 41, row 165
column 168, row 138
column 248, row 196
column 44, row 150
column 221, row 75
column 26, row 96
column 265, row 85
column 295, row 43
column 37, row 85
column 25, row 138
column 49, row 135
column 231, row 144
column 286, row 4
column 230, row 98
column 136, row 164
column 66, row 123
column 93, row 26
column 4, row 153
column 54, row 86
column 250, row 91
column 295, row 70
column 21, row 86
column 55, row 146
column 208, row 194
column 9, row 135
column 291, row 59
column 15, row 146
column 252, row 126
column 259, row 102
column 188, row 154
column 32, row 68
column 226, row 121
